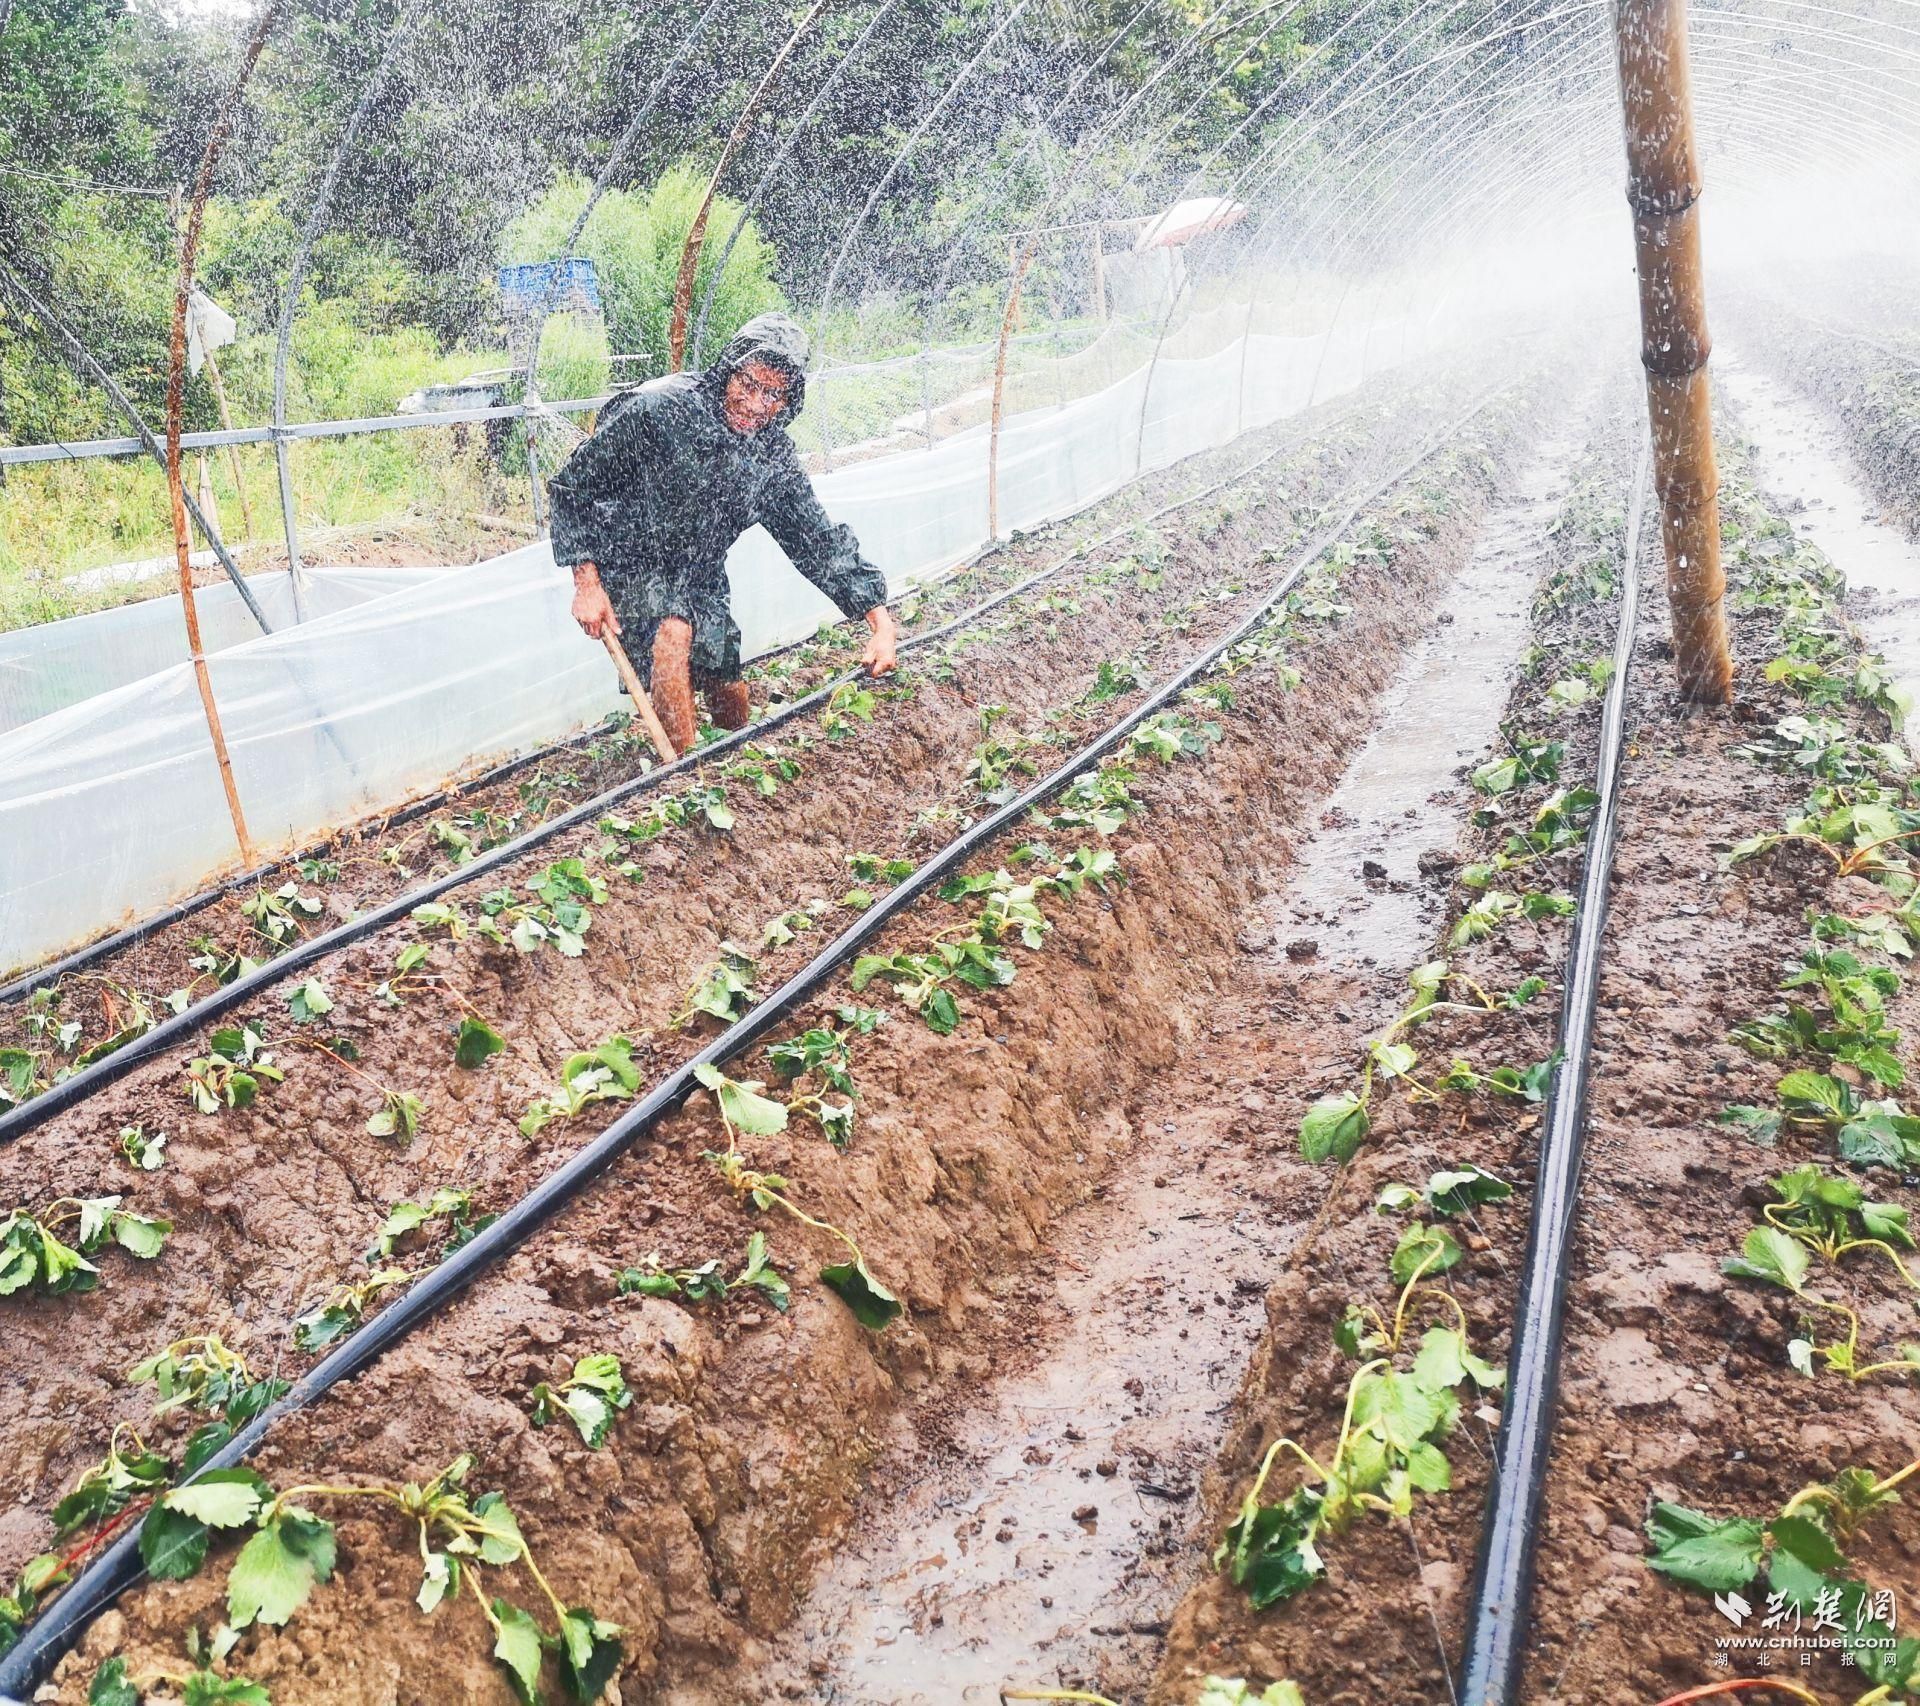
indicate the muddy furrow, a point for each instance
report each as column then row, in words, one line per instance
column 751, row 1427
column 1381, row 1619
column 1039, row 1534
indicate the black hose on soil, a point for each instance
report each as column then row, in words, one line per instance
column 1496, row 1645
column 119, row 1568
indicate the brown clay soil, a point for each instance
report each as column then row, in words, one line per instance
column 273, row 1205
column 750, row 1430
column 385, row 855
column 1675, row 1380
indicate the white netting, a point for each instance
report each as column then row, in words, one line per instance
column 111, row 806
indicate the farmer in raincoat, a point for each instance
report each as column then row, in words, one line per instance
column 646, row 510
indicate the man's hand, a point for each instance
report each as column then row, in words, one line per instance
column 880, row 658
column 592, row 609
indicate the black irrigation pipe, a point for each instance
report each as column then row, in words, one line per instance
column 1498, row 1619
column 178, row 1027
column 119, row 1567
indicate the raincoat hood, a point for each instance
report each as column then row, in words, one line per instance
column 775, row 340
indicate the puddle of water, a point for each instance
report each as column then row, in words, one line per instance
column 1799, row 457
column 1357, row 893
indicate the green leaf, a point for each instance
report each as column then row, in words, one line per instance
column 873, row 1305
column 1888, row 1222
column 741, row 1103
column 517, row 1647
column 1268, row 1550
column 140, row 1234
column 1760, row 1124
column 1806, row 1543
column 1816, row 1096
column 942, row 1013
column 503, row 1542
column 221, row 1498
column 1770, row 1255
column 1425, row 1250
column 476, row 1043
column 205, row 1688
column 439, row 1577
column 1428, row 1469
column 589, row 1653
column 1459, row 1189
column 1703, row 1552
column 1334, row 1128
column 278, row 1568
column 309, row 1000
column 110, row 1686
column 173, row 1545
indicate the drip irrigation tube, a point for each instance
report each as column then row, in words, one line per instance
column 177, row 1028
column 119, row 1567
column 1496, row 1645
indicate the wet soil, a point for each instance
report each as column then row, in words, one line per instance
column 1039, row 1534
column 1382, row 1624
column 750, row 1432
column 272, row 1206
column 1675, row 1381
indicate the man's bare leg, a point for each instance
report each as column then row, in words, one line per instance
column 728, row 702
column 673, row 681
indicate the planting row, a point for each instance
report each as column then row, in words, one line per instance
column 1740, row 1394
column 1341, row 1522
column 83, row 1016
column 687, row 1405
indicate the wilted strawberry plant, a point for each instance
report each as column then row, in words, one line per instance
column 742, row 1108
column 1801, row 1553
column 706, row 1283
column 278, row 918
column 47, row 1253
column 725, row 990
column 1775, row 1255
column 230, row 1073
column 602, row 1074
column 590, row 1397
column 290, row 1551
column 824, row 1054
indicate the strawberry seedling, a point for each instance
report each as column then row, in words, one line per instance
column 1452, row 1191
column 706, row 1283
column 278, row 918
column 849, row 703
column 449, row 1203
column 343, row 1308
column 1235, row 1691
column 743, row 1109
column 825, row 1054
column 1801, row 1553
column 602, row 1074
column 201, row 1376
column 290, row 1551
column 230, row 1073
column 35, row 1254
column 1778, row 1257
column 149, row 1154
column 725, row 992
column 591, row 1396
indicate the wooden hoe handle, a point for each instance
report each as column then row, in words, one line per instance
column 642, row 705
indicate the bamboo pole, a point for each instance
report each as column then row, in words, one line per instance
column 176, row 399
column 697, row 232
column 1663, row 189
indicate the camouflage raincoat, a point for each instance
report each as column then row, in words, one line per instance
column 659, row 493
